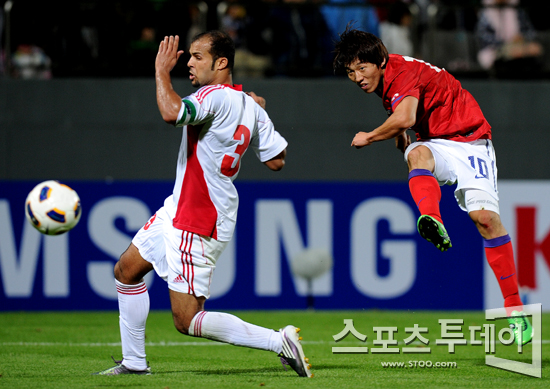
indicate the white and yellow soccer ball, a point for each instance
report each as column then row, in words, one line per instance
column 53, row 208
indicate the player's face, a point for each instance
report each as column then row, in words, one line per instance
column 366, row 75
column 200, row 64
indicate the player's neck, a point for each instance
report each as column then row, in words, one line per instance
column 223, row 78
column 380, row 88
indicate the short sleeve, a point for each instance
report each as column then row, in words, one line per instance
column 405, row 83
column 201, row 105
column 268, row 143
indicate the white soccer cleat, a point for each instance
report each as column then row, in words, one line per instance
column 293, row 354
column 121, row 369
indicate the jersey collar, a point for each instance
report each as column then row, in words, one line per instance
column 237, row 87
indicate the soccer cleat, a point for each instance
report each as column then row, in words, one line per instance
column 121, row 369
column 433, row 231
column 293, row 354
column 521, row 326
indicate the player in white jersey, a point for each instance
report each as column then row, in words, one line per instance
column 185, row 237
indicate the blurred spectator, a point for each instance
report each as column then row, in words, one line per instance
column 420, row 24
column 538, row 12
column 338, row 13
column 30, row 62
column 238, row 23
column 74, row 45
column 1, row 38
column 142, row 53
column 456, row 14
column 198, row 14
column 300, row 39
column 507, row 40
column 395, row 32
column 234, row 22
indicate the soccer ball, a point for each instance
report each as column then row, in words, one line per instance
column 53, row 208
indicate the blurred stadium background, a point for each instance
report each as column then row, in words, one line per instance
column 77, row 104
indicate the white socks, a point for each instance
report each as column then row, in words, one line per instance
column 227, row 328
column 133, row 304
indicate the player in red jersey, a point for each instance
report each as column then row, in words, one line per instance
column 453, row 147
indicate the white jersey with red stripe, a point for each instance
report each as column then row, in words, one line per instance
column 219, row 123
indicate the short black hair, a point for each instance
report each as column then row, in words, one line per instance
column 359, row 45
column 221, row 46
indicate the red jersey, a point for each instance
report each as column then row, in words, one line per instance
column 445, row 110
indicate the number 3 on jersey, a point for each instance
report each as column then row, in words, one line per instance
column 231, row 162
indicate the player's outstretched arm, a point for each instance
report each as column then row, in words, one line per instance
column 169, row 102
column 402, row 118
column 278, row 162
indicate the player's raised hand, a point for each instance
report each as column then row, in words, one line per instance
column 169, row 102
column 168, row 54
column 361, row 139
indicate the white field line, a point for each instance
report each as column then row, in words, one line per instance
column 200, row 344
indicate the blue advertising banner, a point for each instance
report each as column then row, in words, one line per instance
column 369, row 229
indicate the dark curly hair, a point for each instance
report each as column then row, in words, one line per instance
column 358, row 45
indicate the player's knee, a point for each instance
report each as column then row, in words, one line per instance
column 117, row 271
column 182, row 328
column 483, row 218
column 181, row 322
column 131, row 267
column 415, row 154
column 488, row 223
column 486, row 218
column 420, row 158
column 121, row 275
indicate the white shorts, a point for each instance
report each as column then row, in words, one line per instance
column 183, row 259
column 471, row 165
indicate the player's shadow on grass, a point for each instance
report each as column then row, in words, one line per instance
column 275, row 369
column 337, row 367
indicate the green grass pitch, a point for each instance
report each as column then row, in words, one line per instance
column 62, row 349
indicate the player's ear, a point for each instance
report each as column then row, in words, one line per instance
column 222, row 63
column 383, row 64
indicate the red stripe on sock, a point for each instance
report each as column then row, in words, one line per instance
column 197, row 329
column 132, row 289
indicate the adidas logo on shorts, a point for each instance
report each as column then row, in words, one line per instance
column 180, row 279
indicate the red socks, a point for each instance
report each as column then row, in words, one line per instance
column 426, row 192
column 500, row 256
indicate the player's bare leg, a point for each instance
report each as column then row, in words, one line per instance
column 191, row 319
column 421, row 157
column 131, row 267
column 133, row 303
column 488, row 224
column 184, row 308
column 427, row 194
